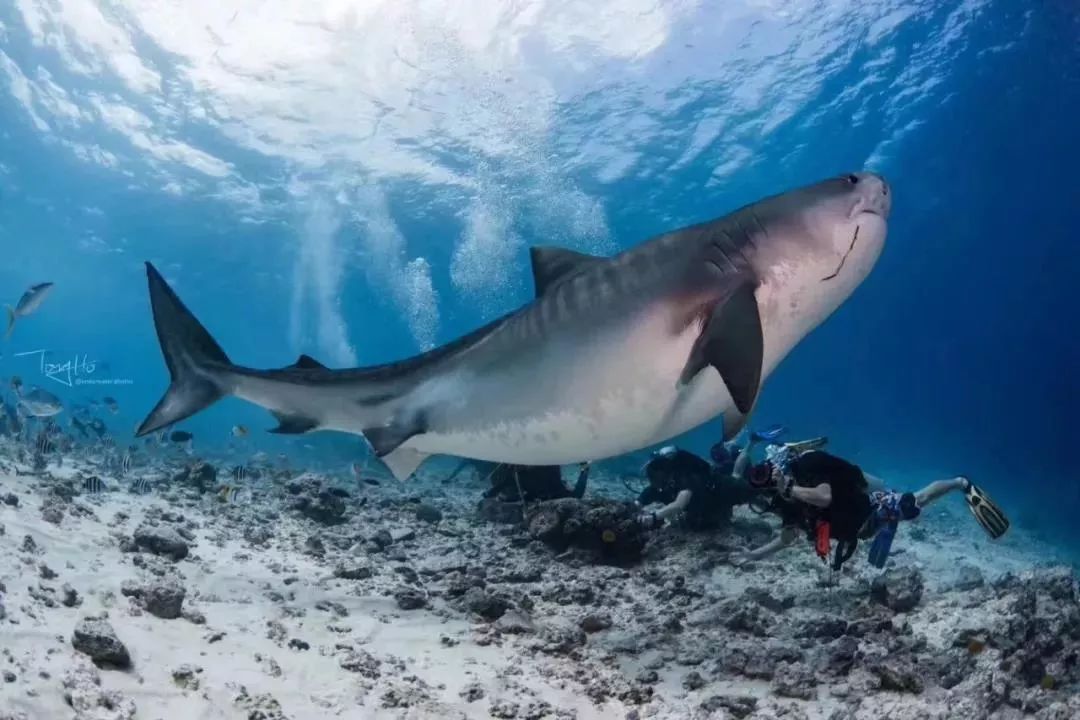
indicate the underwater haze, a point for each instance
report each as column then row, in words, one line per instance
column 360, row 181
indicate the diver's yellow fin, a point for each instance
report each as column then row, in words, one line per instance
column 986, row 512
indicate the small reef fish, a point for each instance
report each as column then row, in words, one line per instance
column 231, row 494
column 239, row 431
column 141, row 486
column 111, row 405
column 98, row 426
column 27, row 305
column 184, row 438
column 78, row 426
column 93, row 485
column 127, row 461
column 358, row 471
column 16, row 384
column 240, row 473
column 44, row 443
column 40, row 403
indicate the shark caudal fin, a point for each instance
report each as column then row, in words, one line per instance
column 10, row 321
column 194, row 358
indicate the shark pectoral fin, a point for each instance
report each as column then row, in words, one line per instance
column 385, row 439
column 305, row 362
column 731, row 342
column 403, row 462
column 293, row 424
column 553, row 264
column 734, row 424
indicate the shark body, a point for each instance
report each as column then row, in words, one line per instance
column 613, row 355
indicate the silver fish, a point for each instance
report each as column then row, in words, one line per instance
column 40, row 403
column 141, row 486
column 614, row 354
column 28, row 303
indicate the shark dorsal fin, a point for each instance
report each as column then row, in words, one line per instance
column 306, row 362
column 550, row 265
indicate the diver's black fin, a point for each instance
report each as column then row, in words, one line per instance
column 193, row 357
column 293, row 424
column 305, row 362
column 550, row 265
column 986, row 512
column 731, row 342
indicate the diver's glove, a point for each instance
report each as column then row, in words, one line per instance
column 652, row 520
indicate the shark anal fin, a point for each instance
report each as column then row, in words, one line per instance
column 293, row 424
column 385, row 439
column 305, row 362
column 553, row 264
column 731, row 342
column 403, row 462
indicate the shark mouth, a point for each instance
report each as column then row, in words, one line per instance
column 843, row 259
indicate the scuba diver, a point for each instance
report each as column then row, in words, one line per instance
column 532, row 483
column 890, row 507
column 829, row 498
column 715, row 489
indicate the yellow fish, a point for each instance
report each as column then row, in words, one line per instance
column 229, row 494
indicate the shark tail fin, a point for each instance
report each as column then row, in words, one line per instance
column 10, row 321
column 195, row 361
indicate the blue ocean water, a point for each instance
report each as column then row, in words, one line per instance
column 359, row 181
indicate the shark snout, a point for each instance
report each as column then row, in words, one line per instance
column 873, row 194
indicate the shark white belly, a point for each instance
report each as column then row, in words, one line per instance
column 627, row 398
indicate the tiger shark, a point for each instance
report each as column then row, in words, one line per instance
column 614, row 354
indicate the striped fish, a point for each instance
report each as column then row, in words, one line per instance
column 126, row 462
column 141, row 486
column 231, row 494
column 44, row 444
column 93, row 485
column 240, row 473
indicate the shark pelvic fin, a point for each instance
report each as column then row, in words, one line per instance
column 551, row 265
column 386, row 439
column 293, row 424
column 731, row 342
column 305, row 362
column 403, row 462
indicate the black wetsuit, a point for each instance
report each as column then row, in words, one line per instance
column 714, row 493
column 537, row 482
column 847, row 512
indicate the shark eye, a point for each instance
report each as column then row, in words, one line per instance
column 852, row 179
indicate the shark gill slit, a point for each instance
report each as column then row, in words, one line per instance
column 844, row 259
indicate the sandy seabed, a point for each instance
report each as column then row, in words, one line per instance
column 399, row 601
